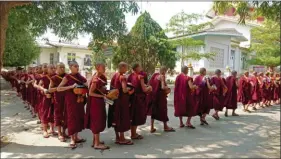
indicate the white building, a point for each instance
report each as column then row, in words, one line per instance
column 54, row 52
column 227, row 38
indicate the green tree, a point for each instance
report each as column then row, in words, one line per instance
column 146, row 44
column 21, row 48
column 265, row 42
column 250, row 9
column 104, row 20
column 183, row 24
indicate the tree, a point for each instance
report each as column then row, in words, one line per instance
column 104, row 20
column 146, row 44
column 21, row 48
column 265, row 42
column 250, row 9
column 183, row 24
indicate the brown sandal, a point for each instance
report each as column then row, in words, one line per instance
column 128, row 142
column 153, row 130
column 170, row 130
column 62, row 139
column 73, row 146
column 138, row 137
column 101, row 148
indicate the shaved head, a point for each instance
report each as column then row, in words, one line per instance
column 71, row 63
column 184, row 69
column 202, row 71
column 233, row 73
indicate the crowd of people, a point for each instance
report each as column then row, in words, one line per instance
column 70, row 102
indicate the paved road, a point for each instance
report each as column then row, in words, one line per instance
column 249, row 135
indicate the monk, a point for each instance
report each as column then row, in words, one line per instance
column 95, row 118
column 138, row 106
column 47, row 106
column 255, row 91
column 59, row 97
column 74, row 103
column 231, row 95
column 121, row 116
column 30, row 89
column 160, row 90
column 244, row 91
column 277, row 89
column 266, row 90
column 184, row 102
column 218, row 93
column 272, row 88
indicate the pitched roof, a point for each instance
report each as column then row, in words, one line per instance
column 52, row 44
column 233, row 33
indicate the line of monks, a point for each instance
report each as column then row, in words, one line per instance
column 70, row 102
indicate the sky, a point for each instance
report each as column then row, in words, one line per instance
column 161, row 12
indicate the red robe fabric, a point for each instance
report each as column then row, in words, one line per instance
column 218, row 98
column 138, row 105
column 265, row 89
column 231, row 95
column 272, row 88
column 74, row 111
column 255, row 90
column 244, row 90
column 38, row 95
column 159, row 109
column 184, row 103
column 23, row 89
column 95, row 118
column 59, row 106
column 277, row 90
column 121, row 117
column 203, row 98
column 47, row 105
column 110, row 115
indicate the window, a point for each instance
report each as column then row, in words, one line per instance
column 218, row 59
column 88, row 60
column 70, row 57
column 51, row 58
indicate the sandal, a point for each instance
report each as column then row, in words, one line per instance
column 248, row 111
column 226, row 114
column 62, row 139
column 190, row 126
column 128, row 142
column 170, row 130
column 46, row 135
column 80, row 141
column 138, row 137
column 181, row 126
column 152, row 130
column 73, row 146
column 103, row 147
column 235, row 114
column 53, row 133
column 216, row 117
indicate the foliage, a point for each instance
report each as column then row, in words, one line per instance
column 265, row 42
column 183, row 24
column 146, row 44
column 104, row 20
column 250, row 9
column 21, row 48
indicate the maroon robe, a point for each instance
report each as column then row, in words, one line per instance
column 74, row 110
column 203, row 97
column 159, row 109
column 255, row 90
column 184, row 103
column 244, row 90
column 47, row 105
column 121, row 117
column 138, row 105
column 59, row 106
column 38, row 95
column 231, row 94
column 264, row 89
column 111, row 107
column 95, row 118
column 277, row 90
column 23, row 89
column 218, row 98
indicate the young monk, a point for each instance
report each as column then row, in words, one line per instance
column 231, row 95
column 261, row 86
column 184, row 102
column 47, row 107
column 30, row 90
column 74, row 108
column 95, row 118
column 255, row 91
column 138, row 105
column 277, row 89
column 218, row 93
column 160, row 90
column 203, row 96
column 121, row 116
column 244, row 91
column 59, row 97
column 266, row 89
column 272, row 88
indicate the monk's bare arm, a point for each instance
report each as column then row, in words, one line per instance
column 39, row 86
column 124, row 86
column 191, row 85
column 51, row 87
column 61, row 87
column 92, row 89
column 144, row 87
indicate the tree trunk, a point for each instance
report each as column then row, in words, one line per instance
column 5, row 7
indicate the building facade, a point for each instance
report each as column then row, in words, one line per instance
column 228, row 39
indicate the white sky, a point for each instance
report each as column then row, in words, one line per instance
column 159, row 11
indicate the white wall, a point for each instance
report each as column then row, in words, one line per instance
column 45, row 55
column 244, row 29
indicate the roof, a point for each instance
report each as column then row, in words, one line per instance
column 52, row 44
column 233, row 33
